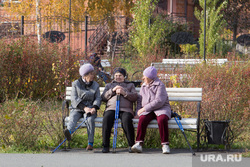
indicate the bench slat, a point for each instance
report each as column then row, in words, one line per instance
column 187, row 123
column 197, row 99
column 68, row 89
column 152, row 126
column 174, row 94
column 194, row 61
column 184, row 121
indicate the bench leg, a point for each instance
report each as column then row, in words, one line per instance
column 198, row 126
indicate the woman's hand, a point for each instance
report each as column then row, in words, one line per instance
column 117, row 87
column 119, row 90
column 136, row 117
column 141, row 111
column 87, row 110
column 93, row 111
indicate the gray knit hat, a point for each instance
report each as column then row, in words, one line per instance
column 85, row 69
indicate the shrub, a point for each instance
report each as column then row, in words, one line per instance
column 29, row 125
column 28, row 71
column 189, row 50
column 225, row 92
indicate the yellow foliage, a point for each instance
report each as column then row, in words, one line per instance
column 23, row 9
column 79, row 8
column 189, row 49
column 48, row 8
column 7, row 117
column 174, row 81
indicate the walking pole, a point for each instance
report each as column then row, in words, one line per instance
column 116, row 122
column 72, row 132
column 182, row 130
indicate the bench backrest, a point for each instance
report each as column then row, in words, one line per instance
column 193, row 61
column 104, row 62
column 180, row 64
column 174, row 94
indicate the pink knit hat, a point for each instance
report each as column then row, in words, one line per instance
column 150, row 72
column 85, row 69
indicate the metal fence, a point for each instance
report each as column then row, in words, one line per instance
column 15, row 26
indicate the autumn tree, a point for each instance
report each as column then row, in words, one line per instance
column 49, row 8
column 214, row 23
column 237, row 15
column 108, row 8
column 79, row 8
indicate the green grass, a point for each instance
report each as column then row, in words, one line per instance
column 51, row 133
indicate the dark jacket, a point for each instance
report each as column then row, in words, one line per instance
column 126, row 102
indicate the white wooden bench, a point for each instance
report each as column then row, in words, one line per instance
column 174, row 94
column 180, row 64
column 194, row 61
column 104, row 62
column 176, row 67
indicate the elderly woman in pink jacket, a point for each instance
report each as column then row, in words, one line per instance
column 153, row 103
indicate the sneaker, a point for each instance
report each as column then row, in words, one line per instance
column 137, row 148
column 67, row 134
column 89, row 147
column 165, row 149
column 105, row 149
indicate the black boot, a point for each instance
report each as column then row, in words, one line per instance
column 67, row 134
column 105, row 149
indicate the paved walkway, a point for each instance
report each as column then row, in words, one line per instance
column 95, row 158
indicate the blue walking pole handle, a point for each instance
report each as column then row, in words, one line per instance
column 72, row 132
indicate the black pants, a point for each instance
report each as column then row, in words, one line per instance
column 127, row 126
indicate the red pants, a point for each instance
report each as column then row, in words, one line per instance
column 144, row 120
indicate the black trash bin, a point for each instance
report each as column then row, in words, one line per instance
column 217, row 131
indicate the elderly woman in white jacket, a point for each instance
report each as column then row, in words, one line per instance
column 85, row 100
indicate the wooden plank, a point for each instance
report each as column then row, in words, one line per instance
column 175, row 94
column 177, row 90
column 184, row 121
column 194, row 61
column 152, row 126
column 105, row 63
column 188, row 99
column 187, row 123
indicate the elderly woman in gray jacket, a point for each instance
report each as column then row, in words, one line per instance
column 128, row 95
column 85, row 101
column 153, row 103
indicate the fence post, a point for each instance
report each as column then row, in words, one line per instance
column 22, row 25
column 204, row 10
column 86, row 35
column 69, row 26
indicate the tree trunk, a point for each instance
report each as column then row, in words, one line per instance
column 38, row 21
column 235, row 26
